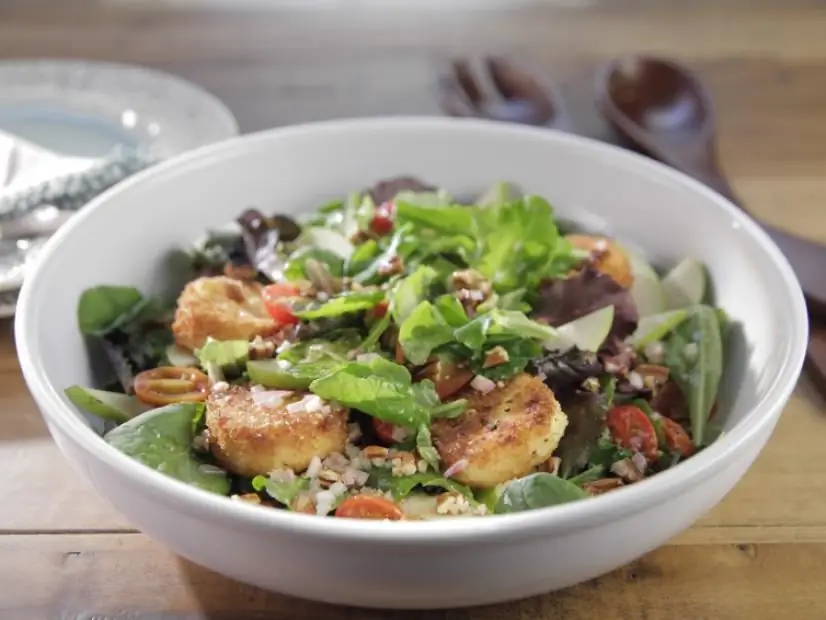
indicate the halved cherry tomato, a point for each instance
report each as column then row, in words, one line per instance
column 632, row 429
column 171, row 384
column 399, row 353
column 380, row 309
column 369, row 507
column 387, row 432
column 448, row 377
column 382, row 222
column 275, row 301
column 676, row 438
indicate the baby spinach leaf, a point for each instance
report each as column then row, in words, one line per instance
column 519, row 351
column 503, row 323
column 161, row 439
column 284, row 492
column 694, row 355
column 379, row 388
column 104, row 307
column 376, row 332
column 538, row 490
column 343, row 304
column 451, row 310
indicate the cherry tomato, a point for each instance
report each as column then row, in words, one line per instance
column 276, row 301
column 676, row 438
column 369, row 507
column 382, row 222
column 380, row 309
column 448, row 378
column 632, row 429
column 171, row 384
column 399, row 353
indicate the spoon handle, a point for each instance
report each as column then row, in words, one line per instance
column 806, row 258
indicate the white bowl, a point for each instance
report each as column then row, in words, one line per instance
column 125, row 237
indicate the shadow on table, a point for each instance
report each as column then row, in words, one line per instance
column 218, row 598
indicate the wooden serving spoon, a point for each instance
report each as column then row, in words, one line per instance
column 657, row 107
column 663, row 109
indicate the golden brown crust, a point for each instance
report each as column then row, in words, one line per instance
column 608, row 257
column 503, row 434
column 250, row 439
column 222, row 308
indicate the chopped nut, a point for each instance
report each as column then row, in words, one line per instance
column 375, row 452
column 403, row 464
column 328, row 475
column 250, row 498
column 391, row 267
column 496, row 356
column 550, row 466
column 598, row 487
column 653, row 375
column 626, row 470
column 591, row 384
column 470, row 279
column 261, row 349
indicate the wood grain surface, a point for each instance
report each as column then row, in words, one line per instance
column 760, row 555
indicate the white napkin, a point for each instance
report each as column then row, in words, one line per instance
column 24, row 164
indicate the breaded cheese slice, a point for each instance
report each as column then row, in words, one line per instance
column 610, row 259
column 221, row 308
column 252, row 434
column 503, row 434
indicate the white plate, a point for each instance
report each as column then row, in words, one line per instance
column 85, row 109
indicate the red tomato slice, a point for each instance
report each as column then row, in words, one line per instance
column 369, row 507
column 676, row 438
column 385, row 431
column 631, row 428
column 276, row 301
column 380, row 309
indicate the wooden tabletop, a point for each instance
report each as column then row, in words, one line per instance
column 761, row 554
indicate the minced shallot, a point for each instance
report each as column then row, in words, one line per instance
column 483, row 385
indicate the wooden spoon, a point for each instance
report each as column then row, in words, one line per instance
column 663, row 109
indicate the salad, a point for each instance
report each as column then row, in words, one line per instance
column 406, row 355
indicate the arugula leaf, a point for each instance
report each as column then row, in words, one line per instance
column 409, row 292
column 501, row 323
column 284, row 492
column 279, row 375
column 520, row 243
column 452, row 310
column 401, row 486
column 103, row 308
column 441, row 218
column 336, row 344
column 694, row 355
column 423, row 331
column 295, row 268
column 538, row 490
column 342, row 304
column 437, row 198
column 520, row 353
column 362, row 258
column 425, row 448
column 376, row 332
column 223, row 353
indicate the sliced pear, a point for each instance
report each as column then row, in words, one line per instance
column 330, row 240
column 106, row 405
column 656, row 326
column 587, row 333
column 685, row 285
column 647, row 291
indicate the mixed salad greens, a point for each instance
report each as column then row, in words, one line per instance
column 407, row 355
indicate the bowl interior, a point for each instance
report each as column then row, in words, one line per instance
column 130, row 237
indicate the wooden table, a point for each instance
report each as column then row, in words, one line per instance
column 760, row 554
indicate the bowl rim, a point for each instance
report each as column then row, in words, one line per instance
column 555, row 519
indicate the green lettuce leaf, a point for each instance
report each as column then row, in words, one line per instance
column 346, row 303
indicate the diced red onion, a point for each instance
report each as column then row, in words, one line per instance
column 457, row 468
column 482, row 384
column 269, row 398
column 639, row 462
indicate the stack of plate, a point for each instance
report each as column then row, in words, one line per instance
column 71, row 115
